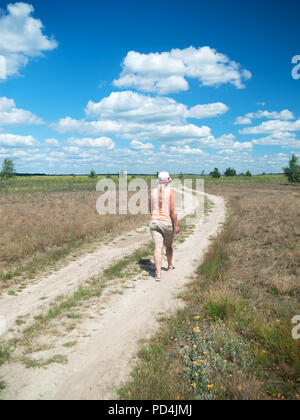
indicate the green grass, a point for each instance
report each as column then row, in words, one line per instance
column 5, row 352
column 70, row 344
column 57, row 359
column 120, row 268
column 84, row 183
column 47, row 184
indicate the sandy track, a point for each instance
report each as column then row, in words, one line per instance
column 107, row 344
column 66, row 280
column 37, row 298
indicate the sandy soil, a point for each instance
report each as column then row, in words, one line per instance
column 108, row 338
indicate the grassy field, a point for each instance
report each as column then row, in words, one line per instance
column 84, row 183
column 45, row 219
column 234, row 339
column 41, row 218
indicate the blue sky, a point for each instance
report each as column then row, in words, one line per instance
column 149, row 86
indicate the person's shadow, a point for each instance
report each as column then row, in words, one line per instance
column 149, row 267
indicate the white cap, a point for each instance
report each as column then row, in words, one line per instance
column 164, row 177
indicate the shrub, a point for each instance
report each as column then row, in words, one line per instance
column 8, row 169
column 93, row 174
column 215, row 173
column 293, row 171
column 230, row 172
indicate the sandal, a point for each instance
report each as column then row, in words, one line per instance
column 173, row 267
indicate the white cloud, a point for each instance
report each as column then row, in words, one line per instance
column 14, row 140
column 10, row 115
column 272, row 126
column 73, row 150
column 130, row 115
column 56, row 154
column 243, row 121
column 100, row 142
column 21, row 37
column 52, row 142
column 207, row 111
column 283, row 115
column 246, row 145
column 129, row 130
column 133, row 106
column 167, row 72
column 138, row 145
column 282, row 139
column 186, row 150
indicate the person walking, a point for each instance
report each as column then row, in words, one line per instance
column 164, row 223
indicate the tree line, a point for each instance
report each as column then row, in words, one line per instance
column 292, row 172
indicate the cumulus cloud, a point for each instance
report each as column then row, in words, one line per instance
column 207, row 111
column 282, row 139
column 167, row 72
column 138, row 145
column 10, row 115
column 283, row 115
column 15, row 140
column 100, row 142
column 133, row 106
column 128, row 130
column 186, row 150
column 21, row 37
column 130, row 115
column 272, row 126
column 52, row 142
column 243, row 121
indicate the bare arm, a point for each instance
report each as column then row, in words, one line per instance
column 173, row 213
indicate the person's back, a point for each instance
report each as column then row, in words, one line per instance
column 164, row 221
column 160, row 199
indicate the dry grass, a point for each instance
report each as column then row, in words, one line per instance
column 37, row 226
column 249, row 285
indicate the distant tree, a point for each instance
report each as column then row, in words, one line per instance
column 263, row 173
column 93, row 174
column 108, row 176
column 215, row 173
column 8, row 169
column 230, row 172
column 293, row 171
column 248, row 173
column 203, row 173
column 181, row 176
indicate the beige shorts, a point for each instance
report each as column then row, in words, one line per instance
column 162, row 232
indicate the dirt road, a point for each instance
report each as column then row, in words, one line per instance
column 107, row 337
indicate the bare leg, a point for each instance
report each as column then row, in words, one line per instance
column 158, row 260
column 169, row 251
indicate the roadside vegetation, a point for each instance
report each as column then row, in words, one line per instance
column 40, row 229
column 233, row 339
